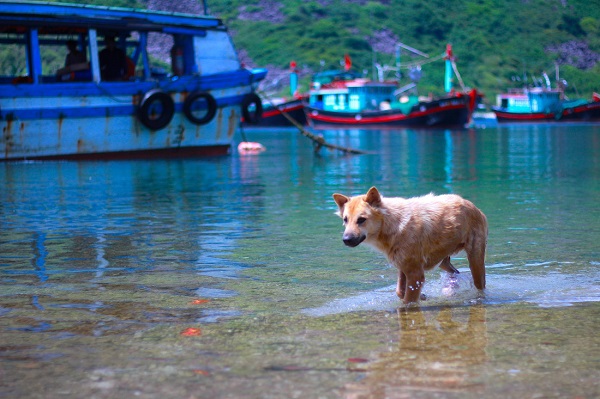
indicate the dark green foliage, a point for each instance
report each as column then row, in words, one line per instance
column 493, row 41
column 570, row 24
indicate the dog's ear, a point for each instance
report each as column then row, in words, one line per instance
column 373, row 197
column 340, row 200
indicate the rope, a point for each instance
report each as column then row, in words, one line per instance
column 420, row 63
column 243, row 132
column 318, row 141
column 409, row 65
column 462, row 84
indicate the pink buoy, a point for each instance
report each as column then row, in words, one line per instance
column 250, row 147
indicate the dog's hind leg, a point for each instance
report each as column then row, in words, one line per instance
column 476, row 256
column 447, row 266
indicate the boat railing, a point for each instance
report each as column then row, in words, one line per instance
column 516, row 90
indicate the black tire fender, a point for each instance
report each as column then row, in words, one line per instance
column 252, row 117
column 156, row 109
column 189, row 107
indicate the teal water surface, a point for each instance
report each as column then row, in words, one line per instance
column 227, row 277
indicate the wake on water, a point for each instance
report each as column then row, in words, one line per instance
column 542, row 289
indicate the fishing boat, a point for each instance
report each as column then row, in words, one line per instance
column 543, row 104
column 364, row 103
column 118, row 102
column 345, row 99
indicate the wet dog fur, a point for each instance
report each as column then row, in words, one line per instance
column 416, row 234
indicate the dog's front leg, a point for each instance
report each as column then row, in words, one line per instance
column 414, row 283
column 401, row 287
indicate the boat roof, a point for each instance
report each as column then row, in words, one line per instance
column 334, row 75
column 525, row 93
column 371, row 83
column 511, row 95
column 14, row 15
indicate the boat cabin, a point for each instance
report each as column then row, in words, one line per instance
column 355, row 96
column 532, row 100
column 36, row 49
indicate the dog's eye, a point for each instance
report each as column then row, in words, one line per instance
column 361, row 220
column 345, row 219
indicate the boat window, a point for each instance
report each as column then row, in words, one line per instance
column 330, row 101
column 341, row 104
column 160, row 52
column 169, row 55
column 166, row 55
column 354, row 102
column 120, row 56
column 13, row 58
column 17, row 64
column 214, row 53
column 65, row 58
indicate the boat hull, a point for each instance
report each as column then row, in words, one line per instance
column 272, row 116
column 448, row 112
column 586, row 112
column 106, row 125
column 159, row 153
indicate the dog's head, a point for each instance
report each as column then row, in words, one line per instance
column 361, row 216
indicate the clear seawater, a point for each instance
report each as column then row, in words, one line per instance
column 227, row 277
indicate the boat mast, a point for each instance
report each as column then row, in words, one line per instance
column 450, row 67
column 448, row 75
column 381, row 69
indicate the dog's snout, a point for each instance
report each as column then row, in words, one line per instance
column 352, row 240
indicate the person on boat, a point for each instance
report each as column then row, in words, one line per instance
column 74, row 56
column 113, row 62
column 74, row 61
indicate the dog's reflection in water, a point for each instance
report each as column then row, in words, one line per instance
column 439, row 351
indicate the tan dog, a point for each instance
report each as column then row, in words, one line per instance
column 416, row 234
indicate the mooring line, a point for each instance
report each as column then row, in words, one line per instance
column 318, row 140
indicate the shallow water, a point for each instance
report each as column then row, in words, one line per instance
column 227, row 277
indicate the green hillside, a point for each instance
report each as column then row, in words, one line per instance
column 495, row 43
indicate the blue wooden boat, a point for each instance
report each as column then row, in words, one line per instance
column 101, row 108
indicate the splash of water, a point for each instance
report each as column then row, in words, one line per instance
column 541, row 289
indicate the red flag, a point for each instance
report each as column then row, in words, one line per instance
column 347, row 62
column 449, row 54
